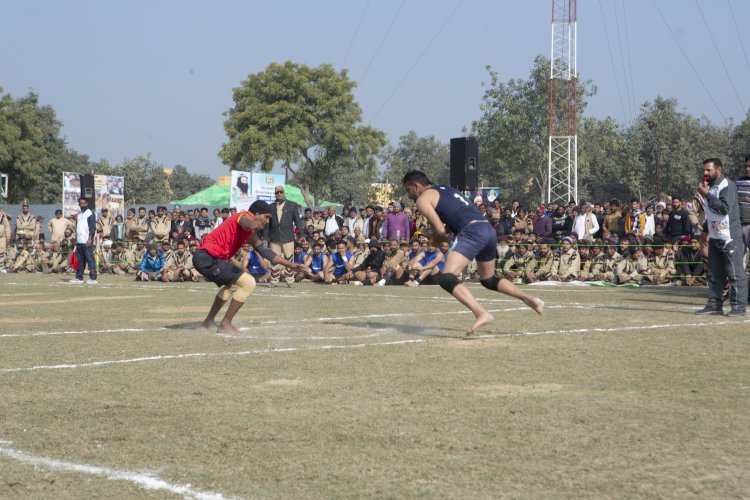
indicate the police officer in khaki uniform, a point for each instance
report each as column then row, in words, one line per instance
column 104, row 224
column 4, row 235
column 540, row 268
column 161, row 225
column 516, row 265
column 608, row 270
column 56, row 259
column 141, row 224
column 25, row 224
column 57, row 227
column 24, row 262
column 661, row 265
column 179, row 266
column 567, row 266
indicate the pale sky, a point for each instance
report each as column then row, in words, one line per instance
column 137, row 77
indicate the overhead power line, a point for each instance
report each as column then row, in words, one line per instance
column 612, row 60
column 354, row 36
column 382, row 40
column 630, row 64
column 721, row 59
column 629, row 98
column 419, row 58
column 690, row 63
column 739, row 35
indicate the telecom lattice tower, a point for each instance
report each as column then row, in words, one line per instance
column 562, row 181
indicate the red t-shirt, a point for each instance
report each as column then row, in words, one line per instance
column 224, row 241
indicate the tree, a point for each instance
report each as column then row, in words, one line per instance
column 602, row 161
column 22, row 149
column 678, row 142
column 513, row 131
column 306, row 118
column 417, row 153
column 183, row 183
column 145, row 181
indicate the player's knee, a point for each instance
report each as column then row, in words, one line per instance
column 490, row 283
column 246, row 285
column 447, row 281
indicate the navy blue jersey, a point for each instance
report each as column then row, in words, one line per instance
column 454, row 209
column 316, row 263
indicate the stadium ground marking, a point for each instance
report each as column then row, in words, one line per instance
column 47, row 334
column 276, row 323
column 617, row 329
column 204, row 355
column 379, row 332
column 145, row 480
column 72, row 299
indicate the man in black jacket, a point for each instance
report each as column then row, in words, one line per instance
column 368, row 272
column 678, row 225
column 284, row 217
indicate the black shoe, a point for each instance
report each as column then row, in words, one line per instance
column 708, row 311
column 736, row 312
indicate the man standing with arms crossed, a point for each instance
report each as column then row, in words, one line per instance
column 284, row 216
column 212, row 261
column 726, row 250
column 475, row 238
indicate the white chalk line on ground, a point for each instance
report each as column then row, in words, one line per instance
column 94, row 364
column 618, row 329
column 276, row 323
column 77, row 332
column 146, row 480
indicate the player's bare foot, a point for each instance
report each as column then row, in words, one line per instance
column 479, row 323
column 208, row 325
column 228, row 328
column 536, row 304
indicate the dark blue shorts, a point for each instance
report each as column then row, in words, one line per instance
column 477, row 241
column 219, row 271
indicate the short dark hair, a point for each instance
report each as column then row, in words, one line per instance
column 416, row 176
column 747, row 158
column 141, row 208
column 225, row 210
column 715, row 161
column 260, row 207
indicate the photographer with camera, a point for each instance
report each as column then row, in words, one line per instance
column 726, row 248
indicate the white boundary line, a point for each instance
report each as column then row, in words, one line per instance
column 147, row 480
column 616, row 329
column 47, row 334
column 204, row 355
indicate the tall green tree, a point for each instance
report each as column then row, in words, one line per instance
column 303, row 117
column 417, row 153
column 23, row 156
column 183, row 183
column 675, row 141
column 513, row 130
column 145, row 180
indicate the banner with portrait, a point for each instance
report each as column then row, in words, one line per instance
column 109, row 192
column 250, row 186
column 483, row 195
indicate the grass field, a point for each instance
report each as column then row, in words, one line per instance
column 336, row 391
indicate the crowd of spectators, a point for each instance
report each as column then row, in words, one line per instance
column 656, row 244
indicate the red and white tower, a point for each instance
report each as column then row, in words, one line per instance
column 562, row 181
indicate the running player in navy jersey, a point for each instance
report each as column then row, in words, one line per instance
column 475, row 238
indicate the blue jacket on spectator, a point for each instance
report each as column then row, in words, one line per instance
column 152, row 263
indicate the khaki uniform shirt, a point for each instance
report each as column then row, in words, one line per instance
column 141, row 227
column 25, row 226
column 395, row 259
column 105, row 224
column 161, row 227
column 568, row 264
column 57, row 227
column 4, row 226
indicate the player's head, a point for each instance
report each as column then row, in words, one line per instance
column 415, row 182
column 262, row 213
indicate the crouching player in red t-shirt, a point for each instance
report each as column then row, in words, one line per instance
column 212, row 261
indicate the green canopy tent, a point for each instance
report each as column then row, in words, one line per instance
column 218, row 196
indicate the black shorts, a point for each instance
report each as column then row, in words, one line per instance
column 220, row 271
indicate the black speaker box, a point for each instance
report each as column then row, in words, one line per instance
column 464, row 163
column 88, row 190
